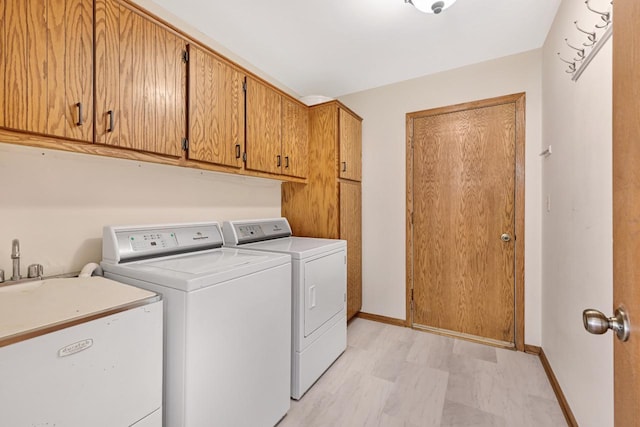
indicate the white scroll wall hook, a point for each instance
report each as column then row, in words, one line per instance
column 572, row 65
column 591, row 36
column 605, row 16
column 579, row 51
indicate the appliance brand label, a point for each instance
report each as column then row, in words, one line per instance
column 74, row 348
column 200, row 236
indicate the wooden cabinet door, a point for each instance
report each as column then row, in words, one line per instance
column 216, row 110
column 47, row 67
column 264, row 128
column 351, row 231
column 350, row 146
column 140, row 81
column 295, row 139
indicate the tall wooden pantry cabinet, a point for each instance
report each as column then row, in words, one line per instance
column 330, row 204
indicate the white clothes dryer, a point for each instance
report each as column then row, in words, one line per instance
column 319, row 280
column 227, row 321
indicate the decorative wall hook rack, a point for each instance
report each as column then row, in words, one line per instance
column 589, row 48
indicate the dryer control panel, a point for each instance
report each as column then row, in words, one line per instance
column 250, row 231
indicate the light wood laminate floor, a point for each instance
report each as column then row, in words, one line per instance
column 391, row 376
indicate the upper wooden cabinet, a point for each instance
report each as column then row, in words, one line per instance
column 140, row 81
column 277, row 132
column 295, row 139
column 113, row 79
column 264, row 128
column 350, row 146
column 46, row 64
column 216, row 110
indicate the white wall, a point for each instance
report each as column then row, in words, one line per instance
column 577, row 232
column 384, row 172
column 56, row 202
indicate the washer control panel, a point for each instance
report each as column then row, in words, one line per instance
column 130, row 243
column 148, row 241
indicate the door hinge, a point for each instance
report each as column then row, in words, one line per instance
column 185, row 144
column 411, row 294
column 244, row 86
column 244, row 157
column 185, row 56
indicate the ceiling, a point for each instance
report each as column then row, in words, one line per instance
column 337, row 47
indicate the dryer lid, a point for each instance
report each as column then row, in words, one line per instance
column 298, row 247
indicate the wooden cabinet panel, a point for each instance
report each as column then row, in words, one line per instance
column 328, row 206
column 57, row 74
column 3, row 30
column 264, row 128
column 295, row 139
column 141, row 81
column 79, row 68
column 351, row 231
column 47, row 67
column 216, row 110
column 25, row 95
column 350, row 146
column 131, row 60
column 107, row 54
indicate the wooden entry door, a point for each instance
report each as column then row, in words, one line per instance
column 463, row 184
column 626, row 207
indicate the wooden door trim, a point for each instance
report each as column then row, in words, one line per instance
column 519, row 100
column 626, row 205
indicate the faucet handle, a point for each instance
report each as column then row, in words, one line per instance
column 15, row 249
column 35, row 270
column 1, row 276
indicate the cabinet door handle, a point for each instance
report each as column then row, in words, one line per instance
column 344, row 166
column 286, row 162
column 111, row 124
column 237, row 151
column 79, row 105
column 279, row 160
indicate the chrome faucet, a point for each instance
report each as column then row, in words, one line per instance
column 15, row 256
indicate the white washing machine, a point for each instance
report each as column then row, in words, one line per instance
column 319, row 279
column 227, row 321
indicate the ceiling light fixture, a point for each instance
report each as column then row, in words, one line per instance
column 431, row 6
